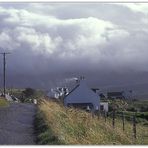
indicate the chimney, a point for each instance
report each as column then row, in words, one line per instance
column 81, row 77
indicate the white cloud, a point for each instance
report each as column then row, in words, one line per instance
column 6, row 42
column 48, row 34
column 38, row 42
column 46, row 42
column 136, row 7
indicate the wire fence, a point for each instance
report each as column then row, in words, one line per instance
column 123, row 117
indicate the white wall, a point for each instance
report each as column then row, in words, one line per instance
column 105, row 105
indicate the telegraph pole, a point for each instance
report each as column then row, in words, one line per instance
column 4, row 72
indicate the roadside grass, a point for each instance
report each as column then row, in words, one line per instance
column 59, row 125
column 3, row 102
column 43, row 132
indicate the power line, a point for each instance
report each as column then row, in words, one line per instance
column 4, row 71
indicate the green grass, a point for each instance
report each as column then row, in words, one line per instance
column 77, row 127
column 44, row 134
column 3, row 102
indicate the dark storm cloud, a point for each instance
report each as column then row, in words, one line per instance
column 54, row 41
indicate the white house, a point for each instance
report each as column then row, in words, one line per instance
column 8, row 97
column 58, row 92
column 104, row 106
column 82, row 95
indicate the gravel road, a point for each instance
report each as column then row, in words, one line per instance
column 16, row 124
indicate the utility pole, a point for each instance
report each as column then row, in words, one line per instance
column 4, row 72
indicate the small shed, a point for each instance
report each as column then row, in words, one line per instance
column 82, row 95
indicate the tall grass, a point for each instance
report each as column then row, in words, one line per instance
column 75, row 127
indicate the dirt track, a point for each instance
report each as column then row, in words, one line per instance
column 16, row 124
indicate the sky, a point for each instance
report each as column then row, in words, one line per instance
column 51, row 42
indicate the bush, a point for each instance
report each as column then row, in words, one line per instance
column 132, row 109
column 143, row 115
column 29, row 92
column 144, row 109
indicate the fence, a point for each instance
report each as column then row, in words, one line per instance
column 113, row 115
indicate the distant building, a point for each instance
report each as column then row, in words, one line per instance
column 58, row 92
column 115, row 95
column 120, row 95
column 82, row 96
column 128, row 94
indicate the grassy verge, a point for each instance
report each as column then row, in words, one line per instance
column 3, row 102
column 43, row 132
column 56, row 124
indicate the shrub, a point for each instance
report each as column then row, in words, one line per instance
column 28, row 92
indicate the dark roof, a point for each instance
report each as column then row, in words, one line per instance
column 95, row 89
column 72, row 90
column 115, row 93
column 92, row 89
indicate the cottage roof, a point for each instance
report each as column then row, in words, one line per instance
column 82, row 94
column 81, row 90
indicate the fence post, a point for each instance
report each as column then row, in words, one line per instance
column 113, row 121
column 123, row 120
column 93, row 113
column 134, row 126
column 98, row 114
column 105, row 115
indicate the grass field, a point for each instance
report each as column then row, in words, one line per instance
column 56, row 124
column 3, row 102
